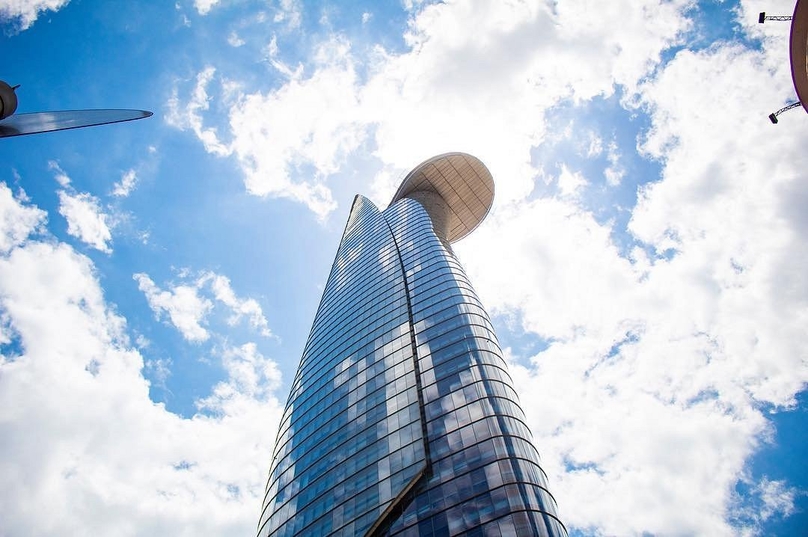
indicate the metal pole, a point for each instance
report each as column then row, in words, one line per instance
column 763, row 17
column 773, row 117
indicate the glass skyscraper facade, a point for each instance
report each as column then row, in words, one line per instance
column 402, row 419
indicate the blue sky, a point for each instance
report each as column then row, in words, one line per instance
column 643, row 262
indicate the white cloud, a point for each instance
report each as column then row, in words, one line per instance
column 570, row 183
column 289, row 12
column 273, row 55
column 240, row 307
column 411, row 5
column 81, row 434
column 384, row 185
column 17, row 221
column 85, row 219
column 185, row 308
column 142, row 341
column 272, row 47
column 595, row 146
column 659, row 360
column 308, row 122
column 189, row 115
column 160, row 369
column 615, row 172
column 203, row 7
column 234, row 40
column 777, row 498
column 484, row 92
column 658, row 365
column 27, row 11
column 126, row 185
column 60, row 176
column 652, row 383
column 189, row 304
column 251, row 377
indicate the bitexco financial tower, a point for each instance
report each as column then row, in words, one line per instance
column 402, row 419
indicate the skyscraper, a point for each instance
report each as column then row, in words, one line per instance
column 402, row 419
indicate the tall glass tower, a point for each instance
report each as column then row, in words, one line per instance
column 402, row 419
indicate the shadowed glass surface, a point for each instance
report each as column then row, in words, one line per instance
column 37, row 122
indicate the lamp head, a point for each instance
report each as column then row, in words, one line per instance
column 8, row 100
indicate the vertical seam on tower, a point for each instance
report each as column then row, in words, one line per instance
column 383, row 522
column 418, row 386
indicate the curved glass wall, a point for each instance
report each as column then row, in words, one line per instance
column 485, row 474
column 351, row 437
column 402, row 419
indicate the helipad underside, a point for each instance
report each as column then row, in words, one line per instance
column 799, row 51
column 464, row 183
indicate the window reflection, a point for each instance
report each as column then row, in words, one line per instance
column 352, row 435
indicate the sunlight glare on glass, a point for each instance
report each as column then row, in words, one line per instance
column 33, row 123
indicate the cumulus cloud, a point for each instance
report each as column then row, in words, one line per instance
column 614, row 173
column 660, row 359
column 234, row 40
column 656, row 369
column 647, row 400
column 189, row 115
column 59, row 174
column 777, row 498
column 189, row 304
column 487, row 91
column 595, row 145
column 570, row 183
column 80, row 432
column 290, row 13
column 85, row 219
column 126, row 185
column 203, row 7
column 239, row 307
column 484, row 92
column 26, row 12
column 17, row 220
column 185, row 308
column 251, row 377
column 309, row 122
column 769, row 499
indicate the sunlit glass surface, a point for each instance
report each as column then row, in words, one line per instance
column 20, row 124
